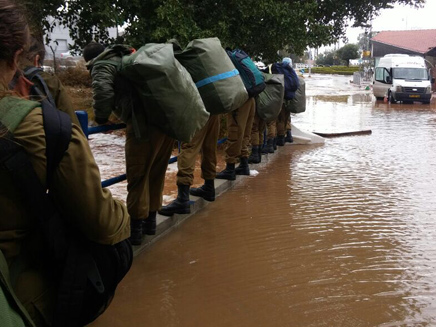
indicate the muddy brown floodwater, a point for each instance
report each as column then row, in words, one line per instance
column 340, row 234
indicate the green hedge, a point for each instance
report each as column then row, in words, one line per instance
column 340, row 70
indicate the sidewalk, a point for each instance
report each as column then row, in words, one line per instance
column 166, row 224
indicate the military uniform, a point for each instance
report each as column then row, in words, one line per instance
column 77, row 191
column 239, row 123
column 204, row 142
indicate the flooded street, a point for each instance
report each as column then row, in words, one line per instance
column 340, row 234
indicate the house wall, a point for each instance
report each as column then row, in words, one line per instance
column 61, row 34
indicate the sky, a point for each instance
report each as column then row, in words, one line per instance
column 400, row 18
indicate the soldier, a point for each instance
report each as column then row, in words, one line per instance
column 147, row 154
column 76, row 184
column 239, row 123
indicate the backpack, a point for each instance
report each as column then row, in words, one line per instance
column 165, row 89
column 86, row 274
column 269, row 102
column 218, row 81
column 291, row 78
column 251, row 76
column 298, row 103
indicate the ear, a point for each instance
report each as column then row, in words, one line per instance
column 17, row 58
column 36, row 62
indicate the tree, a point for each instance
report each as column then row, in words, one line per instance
column 261, row 27
column 347, row 52
column 326, row 58
column 363, row 40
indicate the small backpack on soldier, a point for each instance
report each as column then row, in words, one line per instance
column 291, row 79
column 251, row 76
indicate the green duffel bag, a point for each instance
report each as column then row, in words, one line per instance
column 297, row 104
column 169, row 94
column 217, row 79
column 269, row 102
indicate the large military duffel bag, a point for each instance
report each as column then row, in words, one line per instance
column 298, row 103
column 217, row 79
column 269, row 102
column 170, row 96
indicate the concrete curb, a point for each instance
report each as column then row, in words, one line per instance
column 167, row 224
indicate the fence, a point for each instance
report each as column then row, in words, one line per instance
column 83, row 119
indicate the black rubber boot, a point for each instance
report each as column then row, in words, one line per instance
column 180, row 205
column 243, row 168
column 289, row 137
column 281, row 140
column 136, row 231
column 275, row 143
column 228, row 173
column 149, row 224
column 255, row 156
column 269, row 147
column 264, row 149
column 206, row 191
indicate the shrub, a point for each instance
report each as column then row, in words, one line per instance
column 76, row 76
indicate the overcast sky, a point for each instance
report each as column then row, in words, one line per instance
column 401, row 18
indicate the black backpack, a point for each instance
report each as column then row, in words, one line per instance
column 291, row 79
column 86, row 273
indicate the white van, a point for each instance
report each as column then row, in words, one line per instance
column 402, row 78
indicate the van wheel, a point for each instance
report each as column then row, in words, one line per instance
column 391, row 98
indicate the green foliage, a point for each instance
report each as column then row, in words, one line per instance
column 326, row 58
column 261, row 27
column 347, row 52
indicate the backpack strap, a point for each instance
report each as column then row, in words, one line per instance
column 33, row 75
column 57, row 124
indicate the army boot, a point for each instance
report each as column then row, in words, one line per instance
column 206, row 191
column 280, row 140
column 275, row 143
column 255, row 156
column 243, row 168
column 136, row 231
column 289, row 137
column 228, row 173
column 149, row 224
column 269, row 147
column 180, row 204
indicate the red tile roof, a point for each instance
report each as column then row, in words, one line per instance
column 420, row 41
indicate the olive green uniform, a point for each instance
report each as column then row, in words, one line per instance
column 146, row 165
column 282, row 121
column 77, row 191
column 257, row 130
column 239, row 123
column 204, row 142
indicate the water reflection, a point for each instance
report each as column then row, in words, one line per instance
column 341, row 234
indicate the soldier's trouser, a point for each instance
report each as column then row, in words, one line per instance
column 146, row 165
column 288, row 123
column 271, row 131
column 281, row 122
column 204, row 142
column 257, row 131
column 239, row 123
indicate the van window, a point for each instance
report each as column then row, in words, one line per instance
column 381, row 74
column 410, row 73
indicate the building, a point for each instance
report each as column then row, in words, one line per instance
column 60, row 40
column 412, row 42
